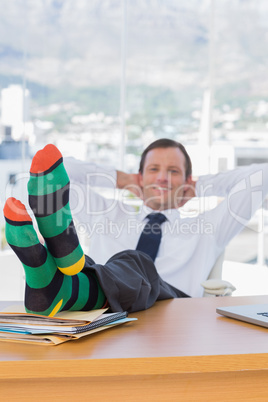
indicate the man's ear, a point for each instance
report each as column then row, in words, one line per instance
column 141, row 179
column 189, row 188
column 189, row 179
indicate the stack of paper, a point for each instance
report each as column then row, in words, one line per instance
column 64, row 326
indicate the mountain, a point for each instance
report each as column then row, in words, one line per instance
column 78, row 43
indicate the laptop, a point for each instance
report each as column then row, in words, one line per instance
column 254, row 313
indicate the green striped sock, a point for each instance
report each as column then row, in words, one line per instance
column 48, row 290
column 48, row 190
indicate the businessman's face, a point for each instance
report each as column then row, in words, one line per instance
column 163, row 178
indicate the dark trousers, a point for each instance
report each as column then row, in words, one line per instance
column 130, row 281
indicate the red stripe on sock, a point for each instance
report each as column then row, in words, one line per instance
column 45, row 158
column 16, row 211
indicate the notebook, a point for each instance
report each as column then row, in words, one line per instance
column 254, row 313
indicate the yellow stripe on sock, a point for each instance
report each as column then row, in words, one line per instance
column 75, row 268
column 56, row 308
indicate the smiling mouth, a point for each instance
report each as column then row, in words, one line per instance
column 161, row 188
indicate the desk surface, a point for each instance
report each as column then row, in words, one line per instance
column 176, row 327
column 174, row 337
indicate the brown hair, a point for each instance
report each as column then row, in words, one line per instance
column 167, row 143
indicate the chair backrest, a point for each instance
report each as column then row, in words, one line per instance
column 12, row 280
column 216, row 271
column 215, row 285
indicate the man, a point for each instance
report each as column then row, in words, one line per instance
column 190, row 244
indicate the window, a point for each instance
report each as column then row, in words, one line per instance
column 86, row 74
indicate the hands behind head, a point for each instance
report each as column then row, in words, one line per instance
column 130, row 182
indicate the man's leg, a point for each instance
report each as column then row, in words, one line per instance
column 48, row 190
column 131, row 282
column 48, row 290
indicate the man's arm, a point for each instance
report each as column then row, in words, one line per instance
column 89, row 173
column 221, row 184
column 243, row 189
column 98, row 176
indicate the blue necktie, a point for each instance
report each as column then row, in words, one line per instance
column 150, row 237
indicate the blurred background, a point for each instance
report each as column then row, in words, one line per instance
column 101, row 79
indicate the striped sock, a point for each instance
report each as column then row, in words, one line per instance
column 48, row 290
column 48, row 190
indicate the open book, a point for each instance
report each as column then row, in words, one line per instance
column 64, row 326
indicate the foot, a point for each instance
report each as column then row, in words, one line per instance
column 48, row 290
column 48, row 189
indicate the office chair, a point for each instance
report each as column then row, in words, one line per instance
column 215, row 285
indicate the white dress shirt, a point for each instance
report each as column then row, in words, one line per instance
column 190, row 242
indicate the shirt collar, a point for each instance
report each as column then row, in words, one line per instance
column 170, row 214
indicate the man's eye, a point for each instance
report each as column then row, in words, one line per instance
column 174, row 171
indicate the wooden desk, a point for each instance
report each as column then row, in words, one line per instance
column 177, row 350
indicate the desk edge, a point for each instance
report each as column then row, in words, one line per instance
column 132, row 366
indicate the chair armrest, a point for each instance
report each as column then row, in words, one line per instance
column 217, row 287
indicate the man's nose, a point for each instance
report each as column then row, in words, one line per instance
column 162, row 175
